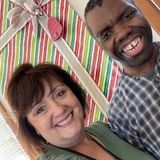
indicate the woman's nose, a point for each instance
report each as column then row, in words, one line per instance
column 56, row 108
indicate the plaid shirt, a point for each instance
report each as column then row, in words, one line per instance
column 134, row 112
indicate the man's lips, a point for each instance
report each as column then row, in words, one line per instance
column 65, row 121
column 133, row 47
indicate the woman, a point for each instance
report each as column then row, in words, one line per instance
column 50, row 108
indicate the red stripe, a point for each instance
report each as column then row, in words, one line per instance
column 1, row 17
column 94, row 60
column 25, row 45
column 98, row 69
column 113, row 80
column 41, row 46
column 43, row 42
column 81, row 43
column 91, row 109
column 78, row 27
column 29, row 43
column 9, row 62
column 112, row 83
column 57, row 54
column 61, row 13
column 65, row 19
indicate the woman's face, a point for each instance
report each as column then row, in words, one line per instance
column 58, row 117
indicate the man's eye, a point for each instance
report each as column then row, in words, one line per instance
column 128, row 16
column 106, row 35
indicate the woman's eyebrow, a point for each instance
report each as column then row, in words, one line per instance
column 54, row 88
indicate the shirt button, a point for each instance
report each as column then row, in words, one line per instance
column 157, row 78
column 137, row 78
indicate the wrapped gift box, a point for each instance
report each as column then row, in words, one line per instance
column 25, row 47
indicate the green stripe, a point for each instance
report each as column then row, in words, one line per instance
column 96, row 114
column 102, row 117
column 53, row 11
column 73, row 30
column 53, row 54
column 5, row 11
column 4, row 70
column 108, row 74
column 68, row 69
column 49, row 51
column 103, row 71
column 33, row 45
column 90, row 55
column 36, row 53
column 69, row 28
column 21, row 46
column 17, row 47
column 57, row 9
column 85, row 53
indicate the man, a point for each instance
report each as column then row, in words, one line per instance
column 120, row 28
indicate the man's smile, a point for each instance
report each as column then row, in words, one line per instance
column 133, row 47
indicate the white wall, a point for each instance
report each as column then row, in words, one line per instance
column 156, row 37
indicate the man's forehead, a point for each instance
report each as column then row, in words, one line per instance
column 111, row 6
column 100, row 16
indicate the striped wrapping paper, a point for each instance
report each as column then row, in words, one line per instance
column 24, row 47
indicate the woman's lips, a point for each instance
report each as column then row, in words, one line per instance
column 133, row 48
column 66, row 121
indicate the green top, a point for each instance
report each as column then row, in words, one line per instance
column 113, row 143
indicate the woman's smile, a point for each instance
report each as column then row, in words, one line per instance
column 66, row 121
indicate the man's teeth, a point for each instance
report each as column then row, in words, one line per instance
column 65, row 121
column 133, row 45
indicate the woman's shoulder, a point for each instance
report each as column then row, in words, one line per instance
column 57, row 157
column 115, row 144
column 56, row 153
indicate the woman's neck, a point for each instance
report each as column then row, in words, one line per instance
column 91, row 147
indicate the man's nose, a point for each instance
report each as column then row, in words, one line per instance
column 121, row 33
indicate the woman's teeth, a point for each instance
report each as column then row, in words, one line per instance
column 65, row 121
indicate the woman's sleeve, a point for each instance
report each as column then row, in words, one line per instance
column 60, row 157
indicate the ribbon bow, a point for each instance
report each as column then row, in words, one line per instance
column 25, row 11
column 34, row 8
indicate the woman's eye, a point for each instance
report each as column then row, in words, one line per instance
column 40, row 110
column 128, row 16
column 60, row 94
column 106, row 35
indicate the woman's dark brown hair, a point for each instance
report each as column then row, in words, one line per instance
column 27, row 87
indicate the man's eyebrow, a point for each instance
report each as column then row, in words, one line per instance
column 123, row 12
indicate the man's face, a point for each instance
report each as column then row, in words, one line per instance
column 120, row 28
